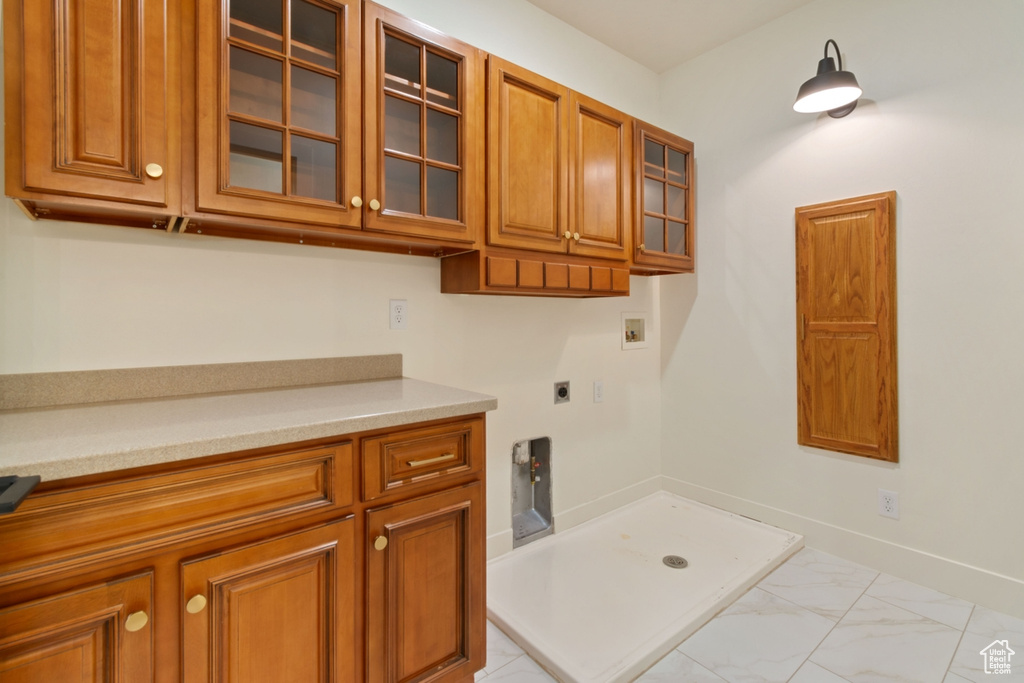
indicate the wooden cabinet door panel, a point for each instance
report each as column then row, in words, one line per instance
column 846, row 319
column 281, row 610
column 601, row 181
column 81, row 637
column 664, row 238
column 528, row 149
column 278, row 119
column 87, row 99
column 424, row 129
column 425, row 593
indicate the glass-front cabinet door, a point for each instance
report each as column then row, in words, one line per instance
column 664, row 226
column 278, row 133
column 423, row 127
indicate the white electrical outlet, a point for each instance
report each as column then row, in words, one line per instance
column 888, row 503
column 598, row 391
column 399, row 309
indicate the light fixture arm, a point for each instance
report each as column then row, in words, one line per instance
column 839, row 57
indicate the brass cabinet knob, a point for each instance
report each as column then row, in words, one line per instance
column 154, row 170
column 380, row 542
column 576, row 236
column 196, row 604
column 136, row 621
column 357, row 201
column 567, row 235
column 643, row 247
column 374, row 205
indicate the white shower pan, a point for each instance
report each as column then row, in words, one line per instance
column 597, row 603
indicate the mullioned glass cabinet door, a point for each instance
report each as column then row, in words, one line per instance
column 664, row 228
column 278, row 109
column 423, row 98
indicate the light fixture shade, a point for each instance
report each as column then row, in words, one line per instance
column 831, row 90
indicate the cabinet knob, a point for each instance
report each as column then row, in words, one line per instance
column 196, row 604
column 576, row 236
column 643, row 247
column 567, row 235
column 374, row 205
column 136, row 621
column 357, row 201
column 380, row 542
column 154, row 170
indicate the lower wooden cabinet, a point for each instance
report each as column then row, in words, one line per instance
column 98, row 634
column 256, row 567
column 280, row 610
column 425, row 611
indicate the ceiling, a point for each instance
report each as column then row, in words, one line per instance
column 663, row 33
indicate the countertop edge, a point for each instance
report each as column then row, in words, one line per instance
column 97, row 463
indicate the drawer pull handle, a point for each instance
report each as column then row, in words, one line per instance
column 380, row 542
column 196, row 605
column 431, row 461
column 136, row 621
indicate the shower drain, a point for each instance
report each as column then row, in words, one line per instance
column 675, row 561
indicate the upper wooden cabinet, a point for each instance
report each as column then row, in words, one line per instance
column 324, row 122
column 337, row 123
column 278, row 115
column 664, row 237
column 559, row 193
column 91, row 110
column 559, row 166
column 423, row 129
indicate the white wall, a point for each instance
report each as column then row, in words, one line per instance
column 940, row 123
column 76, row 297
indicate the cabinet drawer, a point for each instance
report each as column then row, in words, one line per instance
column 55, row 531
column 413, row 458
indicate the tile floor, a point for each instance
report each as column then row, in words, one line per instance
column 820, row 619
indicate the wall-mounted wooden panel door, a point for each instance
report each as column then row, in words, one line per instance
column 846, row 326
column 88, row 100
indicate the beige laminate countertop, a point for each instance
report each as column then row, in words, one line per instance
column 66, row 441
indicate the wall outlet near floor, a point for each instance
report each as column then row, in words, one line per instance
column 888, row 503
column 561, row 392
column 399, row 310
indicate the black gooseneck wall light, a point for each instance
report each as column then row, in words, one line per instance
column 831, row 90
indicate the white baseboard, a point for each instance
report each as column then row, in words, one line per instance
column 567, row 519
column 500, row 543
column 974, row 584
